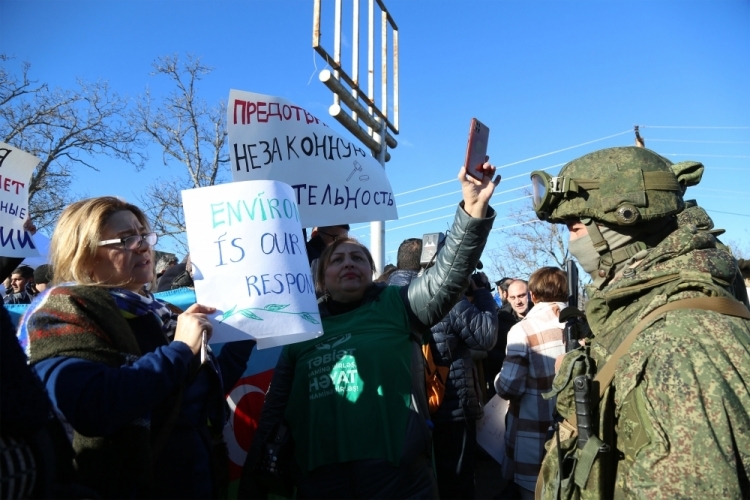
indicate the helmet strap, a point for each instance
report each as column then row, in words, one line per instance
column 599, row 277
column 610, row 261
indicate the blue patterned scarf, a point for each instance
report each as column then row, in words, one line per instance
column 133, row 305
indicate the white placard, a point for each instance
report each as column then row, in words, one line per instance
column 249, row 261
column 334, row 180
column 41, row 242
column 491, row 428
column 16, row 167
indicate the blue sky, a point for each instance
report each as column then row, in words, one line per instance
column 544, row 76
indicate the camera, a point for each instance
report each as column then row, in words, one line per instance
column 478, row 281
column 431, row 245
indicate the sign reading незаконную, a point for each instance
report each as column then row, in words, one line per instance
column 16, row 167
column 334, row 180
column 249, row 260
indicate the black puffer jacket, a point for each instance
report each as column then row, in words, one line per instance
column 402, row 277
column 467, row 327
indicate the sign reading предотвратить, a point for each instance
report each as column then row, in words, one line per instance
column 249, row 261
column 16, row 167
column 334, row 180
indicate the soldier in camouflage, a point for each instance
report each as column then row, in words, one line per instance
column 677, row 414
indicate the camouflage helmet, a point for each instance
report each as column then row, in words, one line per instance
column 618, row 186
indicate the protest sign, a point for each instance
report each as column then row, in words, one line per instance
column 41, row 242
column 491, row 428
column 16, row 167
column 334, row 180
column 249, row 261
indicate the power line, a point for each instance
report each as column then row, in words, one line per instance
column 704, row 196
column 534, row 221
column 448, row 215
column 708, row 156
column 497, row 219
column 694, row 127
column 525, row 160
column 721, row 190
column 728, row 213
column 629, row 131
column 649, row 139
column 458, row 191
column 548, row 168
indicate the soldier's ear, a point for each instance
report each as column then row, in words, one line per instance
column 688, row 173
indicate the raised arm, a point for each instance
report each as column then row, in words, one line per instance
column 431, row 296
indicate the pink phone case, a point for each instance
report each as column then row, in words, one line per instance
column 476, row 149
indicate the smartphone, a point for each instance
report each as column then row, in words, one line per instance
column 476, row 149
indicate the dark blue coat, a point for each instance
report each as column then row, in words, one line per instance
column 467, row 327
column 97, row 400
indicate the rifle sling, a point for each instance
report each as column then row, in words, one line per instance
column 720, row 305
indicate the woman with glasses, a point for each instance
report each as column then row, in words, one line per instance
column 122, row 368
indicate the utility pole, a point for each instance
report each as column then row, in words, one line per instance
column 369, row 119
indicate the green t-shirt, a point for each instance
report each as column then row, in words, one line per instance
column 352, row 386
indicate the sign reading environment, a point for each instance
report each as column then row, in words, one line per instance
column 16, row 167
column 334, row 180
column 249, row 261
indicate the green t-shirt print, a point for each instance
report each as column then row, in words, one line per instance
column 352, row 386
column 334, row 371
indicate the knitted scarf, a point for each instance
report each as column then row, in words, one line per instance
column 90, row 322
column 134, row 305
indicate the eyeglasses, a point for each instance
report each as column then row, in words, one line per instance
column 133, row 242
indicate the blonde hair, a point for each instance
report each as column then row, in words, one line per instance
column 77, row 234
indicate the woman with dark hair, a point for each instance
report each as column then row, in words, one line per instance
column 354, row 399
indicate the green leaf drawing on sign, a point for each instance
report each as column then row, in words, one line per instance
column 308, row 317
column 270, row 308
column 228, row 313
column 275, row 307
column 249, row 314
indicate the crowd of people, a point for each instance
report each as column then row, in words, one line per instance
column 117, row 395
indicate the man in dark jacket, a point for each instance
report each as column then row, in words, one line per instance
column 407, row 262
column 470, row 325
column 516, row 305
column 21, row 282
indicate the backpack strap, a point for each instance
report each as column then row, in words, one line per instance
column 721, row 305
column 730, row 307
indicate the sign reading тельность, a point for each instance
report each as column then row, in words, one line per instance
column 16, row 167
column 249, row 261
column 334, row 180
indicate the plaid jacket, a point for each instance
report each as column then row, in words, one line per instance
column 528, row 370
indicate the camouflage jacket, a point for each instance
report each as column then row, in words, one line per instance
column 680, row 399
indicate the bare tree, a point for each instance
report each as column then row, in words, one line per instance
column 528, row 244
column 189, row 132
column 64, row 129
